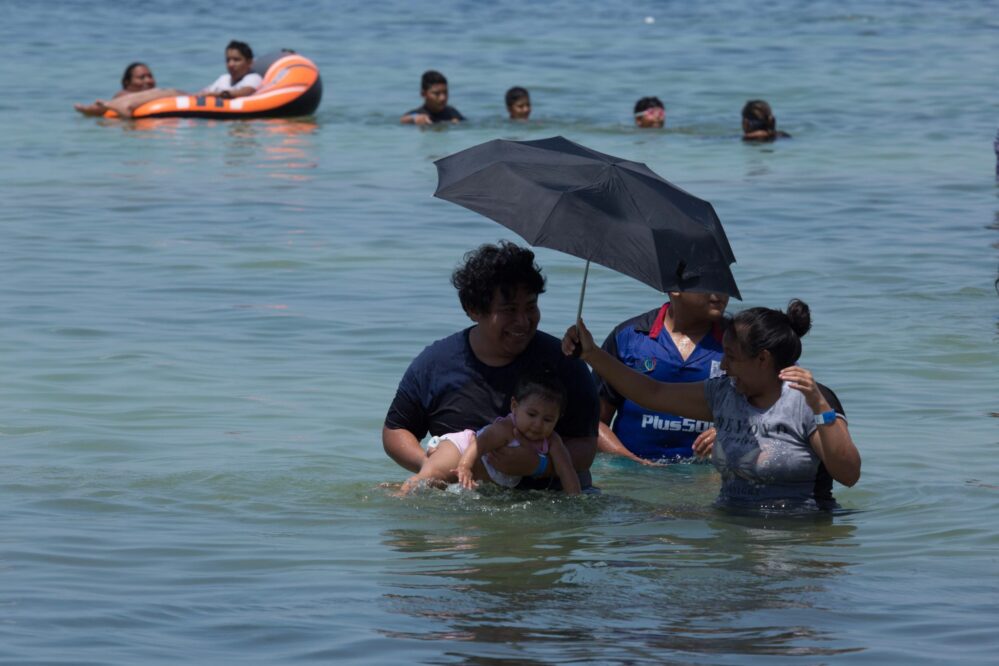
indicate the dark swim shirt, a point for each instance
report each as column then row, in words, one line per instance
column 447, row 114
column 447, row 388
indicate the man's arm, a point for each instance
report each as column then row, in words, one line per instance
column 582, row 450
column 607, row 440
column 563, row 466
column 416, row 119
column 403, row 447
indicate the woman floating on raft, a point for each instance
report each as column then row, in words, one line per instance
column 277, row 85
column 137, row 87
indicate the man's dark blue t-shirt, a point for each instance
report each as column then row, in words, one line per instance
column 447, row 388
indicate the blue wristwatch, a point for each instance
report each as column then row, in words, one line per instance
column 825, row 418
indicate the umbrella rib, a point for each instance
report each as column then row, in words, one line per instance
column 548, row 217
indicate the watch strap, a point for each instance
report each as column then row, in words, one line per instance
column 825, row 418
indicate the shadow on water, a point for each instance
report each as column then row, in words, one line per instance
column 561, row 581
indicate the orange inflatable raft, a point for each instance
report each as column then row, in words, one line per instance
column 291, row 87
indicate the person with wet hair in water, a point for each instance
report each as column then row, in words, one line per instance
column 759, row 123
column 650, row 112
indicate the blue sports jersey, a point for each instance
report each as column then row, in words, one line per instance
column 644, row 344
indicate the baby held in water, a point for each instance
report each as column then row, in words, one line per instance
column 464, row 457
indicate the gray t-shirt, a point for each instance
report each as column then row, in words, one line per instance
column 763, row 454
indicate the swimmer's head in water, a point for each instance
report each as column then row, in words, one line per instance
column 518, row 103
column 238, row 59
column 650, row 112
column 433, row 89
column 758, row 118
column 137, row 77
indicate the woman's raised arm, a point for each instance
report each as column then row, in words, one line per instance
column 684, row 399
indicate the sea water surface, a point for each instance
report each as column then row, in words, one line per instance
column 202, row 324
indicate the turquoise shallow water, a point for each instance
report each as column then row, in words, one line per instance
column 202, row 324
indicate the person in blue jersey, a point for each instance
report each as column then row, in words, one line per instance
column 776, row 427
column 466, row 380
column 678, row 342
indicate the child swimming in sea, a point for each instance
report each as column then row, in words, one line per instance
column 650, row 112
column 537, row 403
column 518, row 103
column 758, row 122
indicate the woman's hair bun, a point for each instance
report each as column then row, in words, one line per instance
column 800, row 317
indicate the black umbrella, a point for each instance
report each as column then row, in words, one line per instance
column 620, row 214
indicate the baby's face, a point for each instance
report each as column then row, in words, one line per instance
column 435, row 97
column 535, row 417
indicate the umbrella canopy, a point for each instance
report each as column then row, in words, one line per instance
column 620, row 214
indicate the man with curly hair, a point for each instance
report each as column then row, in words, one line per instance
column 465, row 380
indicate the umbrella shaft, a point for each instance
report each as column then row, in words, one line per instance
column 582, row 292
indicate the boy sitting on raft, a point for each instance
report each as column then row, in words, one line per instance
column 433, row 89
column 239, row 80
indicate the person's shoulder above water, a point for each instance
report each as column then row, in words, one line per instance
column 546, row 346
column 442, row 353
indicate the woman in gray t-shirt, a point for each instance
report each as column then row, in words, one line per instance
column 774, row 424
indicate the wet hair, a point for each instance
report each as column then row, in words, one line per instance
column 431, row 77
column 759, row 116
column 541, row 381
column 516, row 93
column 504, row 266
column 648, row 103
column 777, row 332
column 243, row 48
column 126, row 78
